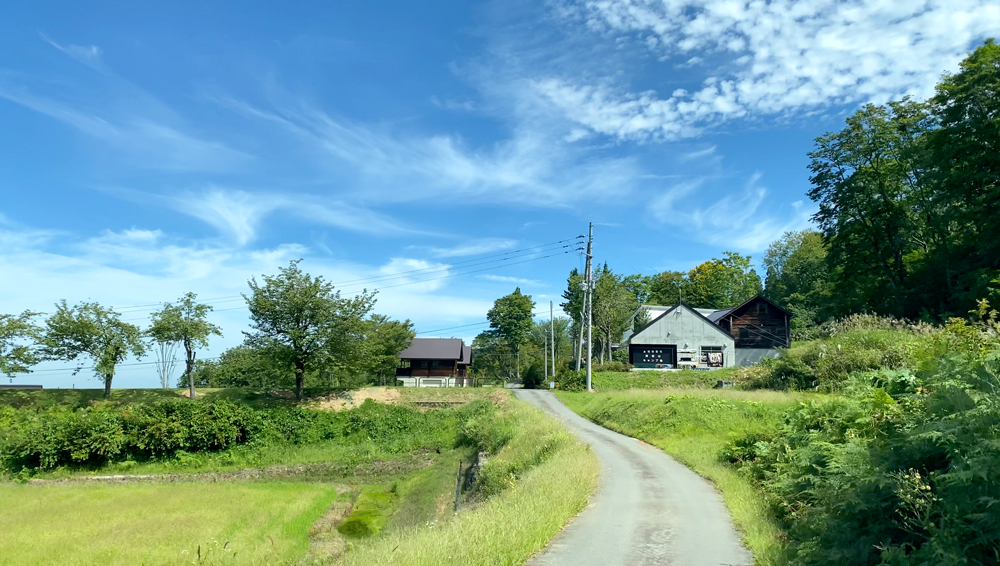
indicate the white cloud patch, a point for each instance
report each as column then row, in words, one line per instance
column 779, row 57
column 533, row 166
column 736, row 220
column 476, row 247
column 507, row 279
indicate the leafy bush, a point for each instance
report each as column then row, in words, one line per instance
column 612, row 366
column 827, row 364
column 901, row 469
column 45, row 439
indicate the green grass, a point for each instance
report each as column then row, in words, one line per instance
column 158, row 524
column 694, row 426
column 647, row 379
column 547, row 489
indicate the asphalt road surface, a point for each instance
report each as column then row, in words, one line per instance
column 648, row 509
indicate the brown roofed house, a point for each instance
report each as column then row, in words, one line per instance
column 435, row 362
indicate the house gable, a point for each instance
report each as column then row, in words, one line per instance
column 758, row 323
column 679, row 323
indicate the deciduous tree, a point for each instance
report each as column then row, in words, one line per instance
column 95, row 332
column 511, row 320
column 184, row 322
column 301, row 319
column 18, row 338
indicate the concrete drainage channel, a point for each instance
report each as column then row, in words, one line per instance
column 648, row 509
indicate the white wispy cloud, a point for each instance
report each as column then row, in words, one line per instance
column 475, row 247
column 532, row 166
column 239, row 214
column 773, row 58
column 143, row 130
column 507, row 279
column 739, row 219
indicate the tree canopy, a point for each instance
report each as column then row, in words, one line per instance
column 301, row 321
column 184, row 322
column 95, row 332
column 18, row 337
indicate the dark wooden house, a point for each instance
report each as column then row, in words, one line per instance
column 435, row 362
column 757, row 323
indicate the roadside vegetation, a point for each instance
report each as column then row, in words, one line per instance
column 252, row 484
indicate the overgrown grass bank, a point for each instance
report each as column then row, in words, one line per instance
column 159, row 524
column 695, row 426
column 537, row 476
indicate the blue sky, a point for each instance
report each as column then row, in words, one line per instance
column 150, row 151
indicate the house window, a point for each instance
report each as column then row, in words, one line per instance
column 711, row 356
column 762, row 308
column 744, row 333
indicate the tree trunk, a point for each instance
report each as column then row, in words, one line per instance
column 189, row 365
column 300, row 372
column 107, row 385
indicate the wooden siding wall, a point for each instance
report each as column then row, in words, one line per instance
column 430, row 368
column 750, row 327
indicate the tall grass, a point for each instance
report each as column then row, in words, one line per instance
column 540, row 476
column 695, row 426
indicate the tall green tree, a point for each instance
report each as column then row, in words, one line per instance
column 964, row 155
column 18, row 338
column 867, row 180
column 511, row 320
column 92, row 331
column 667, row 288
column 184, row 322
column 302, row 321
column 383, row 340
column 722, row 283
column 613, row 307
column 798, row 279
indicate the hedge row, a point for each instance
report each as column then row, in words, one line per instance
column 41, row 440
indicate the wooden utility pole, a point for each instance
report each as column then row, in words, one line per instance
column 590, row 304
column 552, row 336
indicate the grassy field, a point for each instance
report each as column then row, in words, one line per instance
column 325, row 502
column 547, row 476
column 648, row 379
column 266, row 523
column 694, row 426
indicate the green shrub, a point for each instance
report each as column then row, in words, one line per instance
column 45, row 439
column 614, row 366
column 901, row 469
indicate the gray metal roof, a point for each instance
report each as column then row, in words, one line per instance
column 434, row 349
column 466, row 356
column 716, row 315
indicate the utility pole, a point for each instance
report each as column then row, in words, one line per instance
column 578, row 347
column 552, row 336
column 590, row 304
column 545, row 349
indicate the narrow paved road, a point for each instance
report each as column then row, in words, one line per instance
column 648, row 509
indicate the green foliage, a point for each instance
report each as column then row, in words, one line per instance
column 301, row 321
column 613, row 306
column 184, row 323
column 45, row 439
column 18, row 335
column 93, row 331
column 515, row 439
column 718, row 283
column 798, row 279
column 511, row 324
column 900, row 470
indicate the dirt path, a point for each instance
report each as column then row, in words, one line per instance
column 648, row 509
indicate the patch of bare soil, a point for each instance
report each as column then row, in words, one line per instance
column 350, row 399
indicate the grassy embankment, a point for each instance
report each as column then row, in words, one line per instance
column 694, row 426
column 538, row 477
column 405, row 498
column 648, row 379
